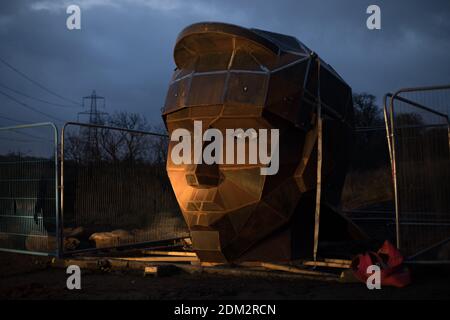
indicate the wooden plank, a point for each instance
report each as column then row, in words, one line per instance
column 161, row 259
column 210, row 264
column 161, row 270
column 151, row 270
column 170, row 253
column 291, row 269
column 341, row 261
column 268, row 274
column 83, row 264
column 139, row 265
column 326, row 264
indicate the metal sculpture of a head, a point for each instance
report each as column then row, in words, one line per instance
column 229, row 77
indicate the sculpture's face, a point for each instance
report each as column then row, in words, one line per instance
column 207, row 192
column 231, row 78
column 219, row 201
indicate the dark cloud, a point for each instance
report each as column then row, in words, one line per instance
column 124, row 49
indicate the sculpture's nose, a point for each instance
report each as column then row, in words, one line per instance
column 203, row 175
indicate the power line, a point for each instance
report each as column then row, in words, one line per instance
column 29, row 107
column 11, row 119
column 34, row 98
column 20, row 132
column 37, row 83
column 23, row 133
column 33, row 138
column 13, row 139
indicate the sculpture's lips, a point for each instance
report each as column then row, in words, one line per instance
column 204, row 206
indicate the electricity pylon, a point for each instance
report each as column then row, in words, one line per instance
column 90, row 134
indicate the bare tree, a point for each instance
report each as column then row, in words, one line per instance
column 370, row 149
column 159, row 145
column 117, row 145
column 123, row 145
column 74, row 148
column 367, row 113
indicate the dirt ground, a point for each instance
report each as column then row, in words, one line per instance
column 27, row 277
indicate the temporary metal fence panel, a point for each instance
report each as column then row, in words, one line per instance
column 418, row 128
column 368, row 196
column 29, row 199
column 115, row 189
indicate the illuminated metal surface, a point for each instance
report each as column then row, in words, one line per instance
column 231, row 77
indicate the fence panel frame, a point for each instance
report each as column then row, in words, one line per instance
column 61, row 229
column 389, row 115
column 58, row 250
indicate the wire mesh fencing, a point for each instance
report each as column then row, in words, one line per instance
column 419, row 141
column 29, row 189
column 367, row 197
column 115, row 189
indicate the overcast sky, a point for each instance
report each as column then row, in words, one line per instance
column 124, row 49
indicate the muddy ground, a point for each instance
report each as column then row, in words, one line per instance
column 27, row 277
